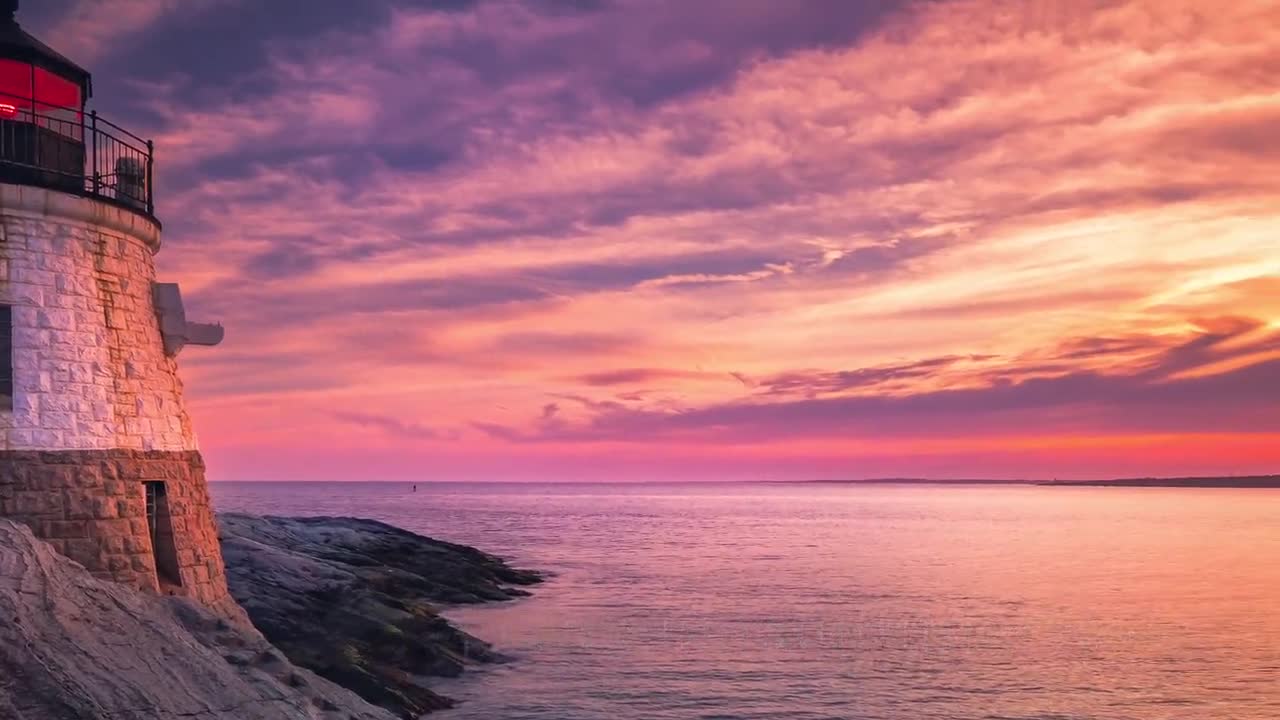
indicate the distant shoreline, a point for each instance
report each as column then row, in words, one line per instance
column 899, row 481
column 1251, row 481
column 1242, row 482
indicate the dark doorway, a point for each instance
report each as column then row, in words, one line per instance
column 6, row 357
column 161, row 527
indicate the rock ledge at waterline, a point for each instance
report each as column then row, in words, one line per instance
column 356, row 600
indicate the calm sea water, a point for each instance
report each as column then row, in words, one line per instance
column 823, row 602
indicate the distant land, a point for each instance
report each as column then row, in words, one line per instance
column 1242, row 481
column 904, row 481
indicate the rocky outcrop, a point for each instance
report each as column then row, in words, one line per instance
column 355, row 600
column 73, row 647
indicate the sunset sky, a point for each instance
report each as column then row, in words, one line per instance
column 712, row 239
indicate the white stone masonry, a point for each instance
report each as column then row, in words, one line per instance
column 90, row 371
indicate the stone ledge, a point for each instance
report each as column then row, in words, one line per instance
column 37, row 202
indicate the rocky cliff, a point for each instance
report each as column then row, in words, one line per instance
column 355, row 600
column 76, row 648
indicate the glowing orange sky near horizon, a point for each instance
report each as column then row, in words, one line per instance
column 974, row 239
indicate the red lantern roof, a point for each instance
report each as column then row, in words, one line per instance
column 16, row 44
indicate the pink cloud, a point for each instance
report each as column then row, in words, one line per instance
column 97, row 29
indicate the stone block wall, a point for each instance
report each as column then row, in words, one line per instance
column 90, row 370
column 90, row 505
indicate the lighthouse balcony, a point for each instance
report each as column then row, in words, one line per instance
column 65, row 148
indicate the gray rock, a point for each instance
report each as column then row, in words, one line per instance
column 355, row 601
column 76, row 648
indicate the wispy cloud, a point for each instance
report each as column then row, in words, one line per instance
column 96, row 29
column 1216, row 371
column 388, row 425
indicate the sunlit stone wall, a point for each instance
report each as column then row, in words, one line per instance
column 89, row 367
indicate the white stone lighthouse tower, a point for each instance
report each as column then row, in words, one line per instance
column 97, row 453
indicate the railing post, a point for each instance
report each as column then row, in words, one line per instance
column 93, row 148
column 35, row 123
column 151, row 160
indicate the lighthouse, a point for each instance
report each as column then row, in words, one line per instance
column 97, row 452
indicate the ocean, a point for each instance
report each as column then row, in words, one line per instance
column 825, row 602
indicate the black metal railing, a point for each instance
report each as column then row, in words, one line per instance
column 73, row 151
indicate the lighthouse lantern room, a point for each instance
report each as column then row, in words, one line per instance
column 47, row 136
